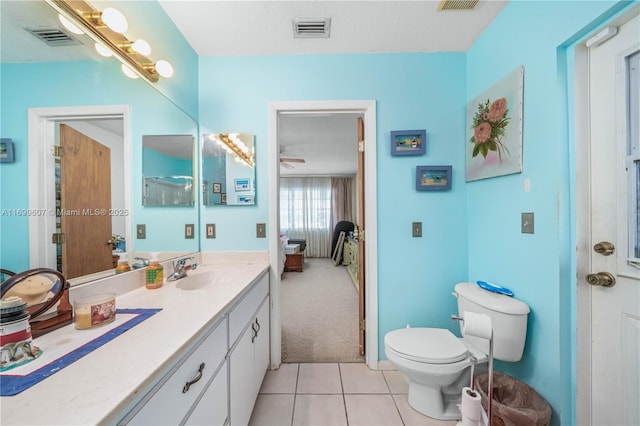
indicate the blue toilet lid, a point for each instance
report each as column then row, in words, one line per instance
column 429, row 345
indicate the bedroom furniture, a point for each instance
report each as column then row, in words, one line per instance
column 301, row 241
column 294, row 262
column 351, row 259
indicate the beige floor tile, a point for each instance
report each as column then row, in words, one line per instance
column 372, row 410
column 358, row 378
column 411, row 417
column 282, row 380
column 319, row 378
column 321, row 410
column 396, row 382
column 272, row 410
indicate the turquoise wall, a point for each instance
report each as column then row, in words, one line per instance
column 539, row 268
column 412, row 91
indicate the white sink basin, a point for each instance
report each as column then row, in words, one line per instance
column 203, row 278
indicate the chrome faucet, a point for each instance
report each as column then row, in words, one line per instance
column 180, row 269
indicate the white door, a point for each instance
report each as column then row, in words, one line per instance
column 615, row 218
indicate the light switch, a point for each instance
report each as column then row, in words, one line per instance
column 211, row 230
column 189, row 231
column 417, row 229
column 527, row 223
column 261, row 230
column 141, row 232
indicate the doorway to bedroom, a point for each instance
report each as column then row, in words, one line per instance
column 317, row 189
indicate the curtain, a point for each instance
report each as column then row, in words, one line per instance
column 341, row 201
column 305, row 210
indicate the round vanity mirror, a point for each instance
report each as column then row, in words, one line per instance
column 34, row 291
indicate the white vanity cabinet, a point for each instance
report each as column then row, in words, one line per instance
column 249, row 352
column 200, row 370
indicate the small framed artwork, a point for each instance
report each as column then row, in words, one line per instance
column 433, row 178
column 217, row 187
column 245, row 199
column 408, row 142
column 223, row 198
column 7, row 154
column 242, row 184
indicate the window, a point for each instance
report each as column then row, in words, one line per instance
column 633, row 154
column 305, row 204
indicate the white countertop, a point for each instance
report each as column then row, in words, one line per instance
column 103, row 385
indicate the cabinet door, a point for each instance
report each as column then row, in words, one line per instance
column 242, row 379
column 212, row 409
column 261, row 345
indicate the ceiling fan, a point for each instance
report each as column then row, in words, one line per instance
column 284, row 162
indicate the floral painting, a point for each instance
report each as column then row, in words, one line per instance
column 494, row 129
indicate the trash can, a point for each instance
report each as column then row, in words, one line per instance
column 514, row 402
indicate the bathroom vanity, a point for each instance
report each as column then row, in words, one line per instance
column 200, row 360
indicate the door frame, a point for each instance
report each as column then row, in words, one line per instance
column 581, row 171
column 368, row 109
column 41, row 165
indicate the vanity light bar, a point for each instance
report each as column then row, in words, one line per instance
column 83, row 15
column 237, row 151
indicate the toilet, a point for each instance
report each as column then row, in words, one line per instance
column 436, row 363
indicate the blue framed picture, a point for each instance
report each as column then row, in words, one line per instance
column 242, row 184
column 408, row 142
column 433, row 178
column 7, row 154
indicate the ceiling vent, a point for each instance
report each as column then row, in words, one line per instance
column 54, row 37
column 457, row 4
column 311, row 28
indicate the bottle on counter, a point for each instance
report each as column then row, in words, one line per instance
column 154, row 273
column 123, row 265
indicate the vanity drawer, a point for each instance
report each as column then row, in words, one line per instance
column 242, row 313
column 168, row 403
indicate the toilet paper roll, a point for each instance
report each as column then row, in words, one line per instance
column 470, row 407
column 478, row 325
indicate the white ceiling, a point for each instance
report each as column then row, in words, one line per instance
column 215, row 28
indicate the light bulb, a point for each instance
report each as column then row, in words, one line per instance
column 102, row 50
column 128, row 72
column 115, row 20
column 68, row 25
column 141, row 47
column 164, row 68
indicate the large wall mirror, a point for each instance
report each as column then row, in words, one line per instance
column 228, row 169
column 167, row 170
column 46, row 88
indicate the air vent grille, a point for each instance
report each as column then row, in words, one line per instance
column 311, row 28
column 457, row 4
column 54, row 37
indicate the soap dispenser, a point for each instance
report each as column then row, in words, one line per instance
column 154, row 273
column 123, row 264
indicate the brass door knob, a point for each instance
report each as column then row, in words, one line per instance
column 604, row 248
column 601, row 279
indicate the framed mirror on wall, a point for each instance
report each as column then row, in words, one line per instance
column 104, row 110
column 228, row 169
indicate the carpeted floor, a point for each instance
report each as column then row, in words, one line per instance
column 319, row 314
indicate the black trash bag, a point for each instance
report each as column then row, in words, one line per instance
column 514, row 402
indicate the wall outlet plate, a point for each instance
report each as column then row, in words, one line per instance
column 527, row 223
column 416, row 229
column 141, row 232
column 261, row 230
column 189, row 232
column 211, row 230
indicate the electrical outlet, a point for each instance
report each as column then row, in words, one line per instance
column 261, row 230
column 141, row 232
column 527, row 223
column 188, row 231
column 417, row 229
column 211, row 230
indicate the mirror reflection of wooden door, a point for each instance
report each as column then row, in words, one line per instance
column 361, row 225
column 85, row 203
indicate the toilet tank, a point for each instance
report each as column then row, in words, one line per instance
column 508, row 320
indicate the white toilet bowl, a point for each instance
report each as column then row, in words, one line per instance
column 436, row 364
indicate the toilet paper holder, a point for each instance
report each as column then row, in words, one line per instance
column 490, row 384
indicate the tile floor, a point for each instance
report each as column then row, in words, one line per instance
column 333, row 395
